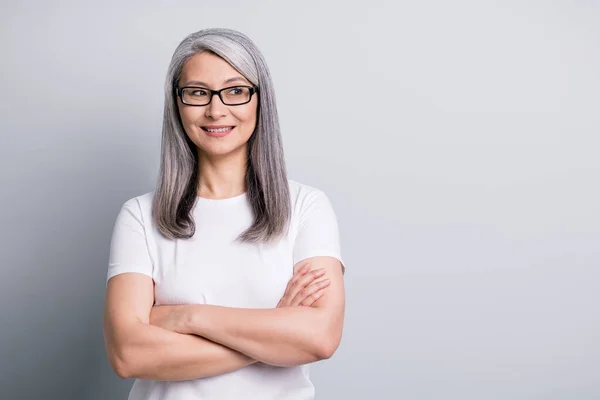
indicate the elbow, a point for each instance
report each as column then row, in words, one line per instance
column 326, row 350
column 122, row 371
column 120, row 364
column 328, row 345
column 119, row 367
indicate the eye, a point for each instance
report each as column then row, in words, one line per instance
column 237, row 91
column 198, row 92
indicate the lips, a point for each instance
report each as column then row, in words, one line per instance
column 218, row 130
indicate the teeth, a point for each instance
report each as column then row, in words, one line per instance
column 219, row 129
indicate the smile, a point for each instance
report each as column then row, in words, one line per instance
column 217, row 131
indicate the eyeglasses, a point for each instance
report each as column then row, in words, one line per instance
column 230, row 96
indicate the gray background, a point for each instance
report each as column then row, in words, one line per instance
column 458, row 142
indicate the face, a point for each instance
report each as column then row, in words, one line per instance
column 212, row 72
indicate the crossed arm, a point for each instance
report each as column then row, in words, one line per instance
column 196, row 340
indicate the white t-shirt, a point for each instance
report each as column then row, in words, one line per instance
column 210, row 268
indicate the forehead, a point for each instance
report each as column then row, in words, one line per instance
column 209, row 68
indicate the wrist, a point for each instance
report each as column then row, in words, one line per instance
column 191, row 319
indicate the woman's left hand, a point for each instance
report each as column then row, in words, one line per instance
column 171, row 317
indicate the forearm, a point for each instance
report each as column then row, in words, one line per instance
column 281, row 336
column 151, row 352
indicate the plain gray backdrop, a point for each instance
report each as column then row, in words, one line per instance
column 458, row 142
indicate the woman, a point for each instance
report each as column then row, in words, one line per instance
column 227, row 279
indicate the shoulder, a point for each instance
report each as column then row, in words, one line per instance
column 307, row 200
column 315, row 224
column 140, row 205
column 301, row 194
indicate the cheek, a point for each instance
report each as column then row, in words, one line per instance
column 248, row 117
column 189, row 115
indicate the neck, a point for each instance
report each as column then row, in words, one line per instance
column 221, row 177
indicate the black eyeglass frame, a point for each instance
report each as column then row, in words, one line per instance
column 179, row 93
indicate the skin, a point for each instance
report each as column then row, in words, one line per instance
column 282, row 336
column 192, row 341
column 303, row 289
column 222, row 161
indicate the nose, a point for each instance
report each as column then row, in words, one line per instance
column 215, row 109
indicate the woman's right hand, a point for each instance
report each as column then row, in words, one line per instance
column 304, row 288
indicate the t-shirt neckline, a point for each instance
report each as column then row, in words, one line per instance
column 227, row 200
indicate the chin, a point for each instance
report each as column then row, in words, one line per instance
column 223, row 149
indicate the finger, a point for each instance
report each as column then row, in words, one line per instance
column 303, row 294
column 304, row 268
column 310, row 300
column 309, row 291
column 301, row 271
column 305, row 280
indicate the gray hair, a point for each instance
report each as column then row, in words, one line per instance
column 266, row 176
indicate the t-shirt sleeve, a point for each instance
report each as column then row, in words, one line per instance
column 318, row 233
column 128, row 246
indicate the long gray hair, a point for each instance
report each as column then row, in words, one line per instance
column 266, row 176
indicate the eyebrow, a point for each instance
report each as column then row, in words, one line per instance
column 230, row 80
